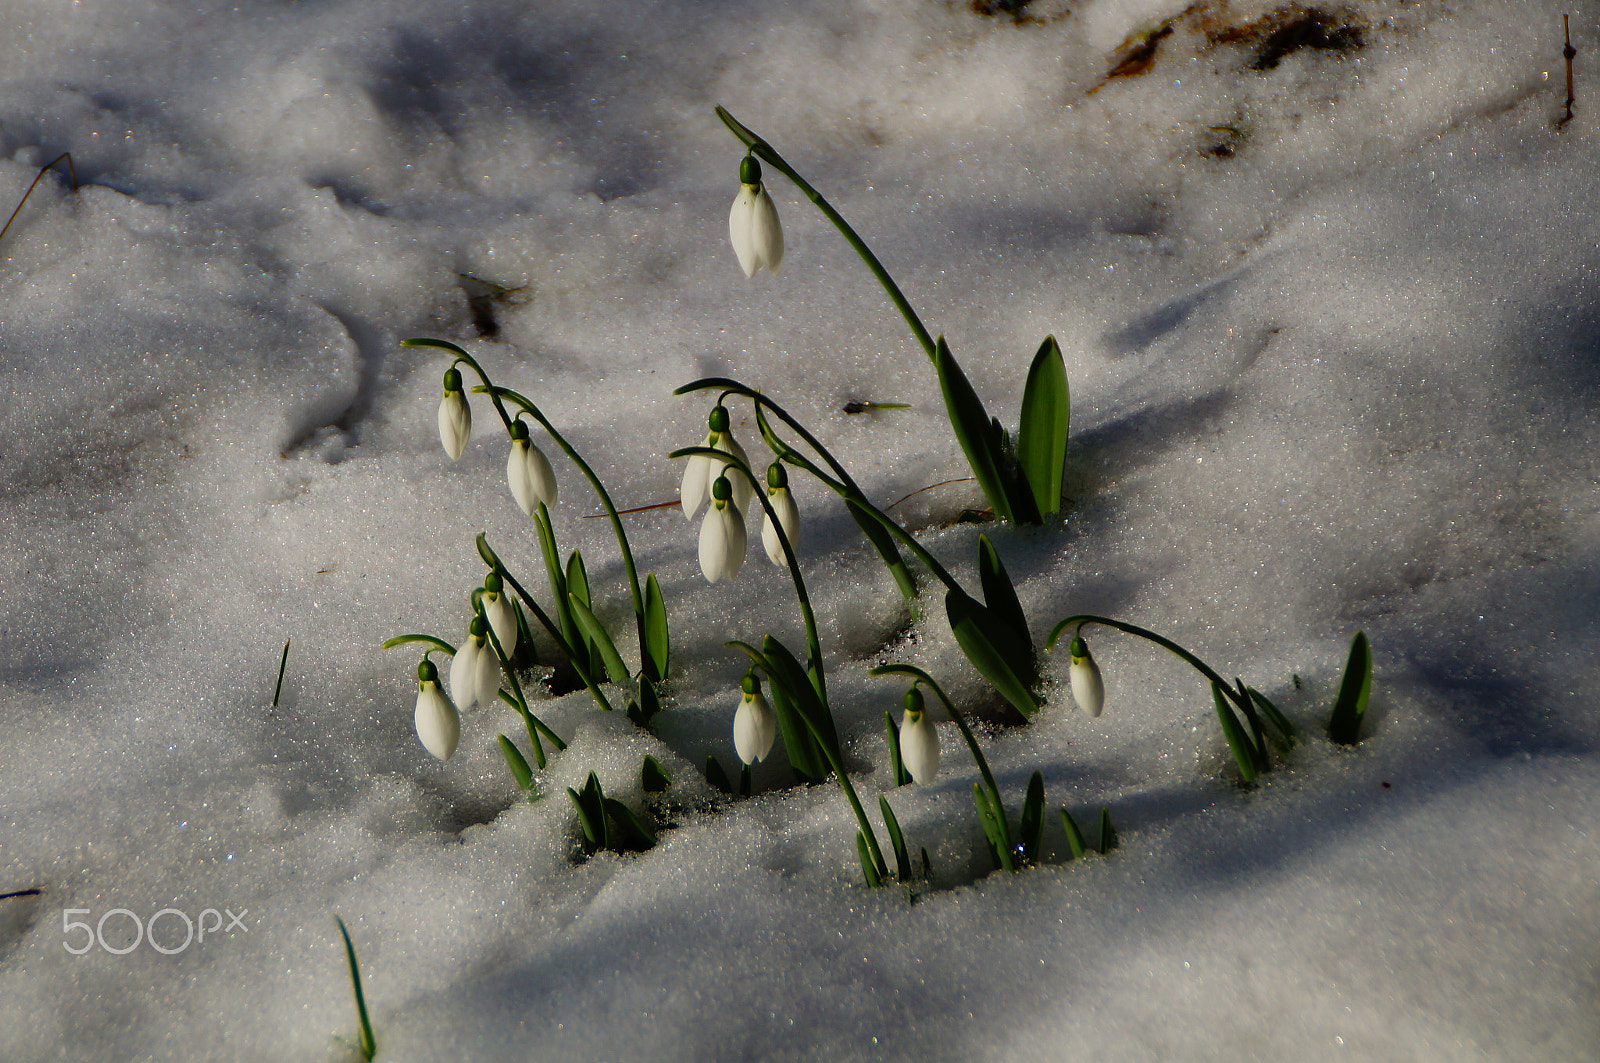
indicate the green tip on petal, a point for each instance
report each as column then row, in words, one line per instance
column 749, row 171
column 718, row 419
column 721, row 489
column 426, row 672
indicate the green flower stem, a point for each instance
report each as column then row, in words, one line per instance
column 519, row 702
column 463, row 356
column 897, row 567
column 972, row 744
column 1083, row 619
column 549, row 624
column 813, row 642
column 605, row 500
column 765, row 151
column 437, row 644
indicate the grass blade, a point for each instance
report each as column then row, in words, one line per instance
column 1344, row 726
column 368, row 1043
column 1042, row 430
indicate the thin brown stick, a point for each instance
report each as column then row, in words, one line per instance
column 1568, row 53
column 71, row 169
column 635, row 509
column 930, row 487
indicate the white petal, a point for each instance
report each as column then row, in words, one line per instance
column 755, row 727
column 529, row 474
column 788, row 518
column 740, row 223
column 697, row 479
column 919, row 748
column 503, row 619
column 743, row 492
column 721, row 542
column 488, row 677
column 1087, row 688
column 464, row 674
column 455, row 423
column 766, row 234
column 438, row 723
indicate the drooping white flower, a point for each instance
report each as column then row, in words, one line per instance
column 755, row 725
column 475, row 673
column 438, row 722
column 919, row 742
column 721, row 534
column 1088, row 690
column 702, row 469
column 497, row 607
column 753, row 223
column 782, row 503
column 528, row 472
column 455, row 416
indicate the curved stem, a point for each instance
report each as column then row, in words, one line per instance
column 518, row 700
column 966, row 733
column 1083, row 619
column 463, row 356
column 765, row 151
column 437, row 644
column 553, row 630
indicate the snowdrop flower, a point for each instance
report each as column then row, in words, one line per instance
column 438, row 722
column 475, row 673
column 755, row 726
column 753, row 223
column 782, row 503
column 497, row 607
column 528, row 472
column 702, row 468
column 455, row 416
column 721, row 534
column 1087, row 688
column 919, row 742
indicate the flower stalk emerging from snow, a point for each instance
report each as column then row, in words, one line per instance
column 722, row 539
column 455, row 416
column 919, row 742
column 755, row 727
column 438, row 722
column 753, row 223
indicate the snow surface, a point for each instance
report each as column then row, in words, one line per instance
column 1331, row 327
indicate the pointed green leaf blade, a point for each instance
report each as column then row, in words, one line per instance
column 897, row 769
column 599, row 640
column 994, row 649
column 632, row 832
column 1032, row 818
column 999, row 593
column 970, row 422
column 1239, row 742
column 653, row 777
column 869, row 867
column 368, row 1043
column 1108, row 836
column 1042, row 433
column 517, row 763
column 799, row 686
column 1344, row 727
column 656, row 642
column 902, row 858
column 716, row 777
column 1075, row 844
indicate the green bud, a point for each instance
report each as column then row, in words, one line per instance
column 750, row 684
column 1080, row 648
column 493, row 583
column 749, row 171
column 479, row 627
column 777, row 476
column 518, row 429
column 913, row 702
column 721, row 489
column 452, row 379
column 719, row 418
column 426, row 672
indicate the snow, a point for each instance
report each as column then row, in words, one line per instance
column 1330, row 329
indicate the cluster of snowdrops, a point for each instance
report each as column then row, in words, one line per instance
column 784, row 693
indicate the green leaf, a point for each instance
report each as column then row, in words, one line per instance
column 656, row 655
column 632, row 833
column 1032, row 818
column 1075, row 846
column 789, row 678
column 1108, row 837
column 902, row 859
column 558, row 589
column 897, row 770
column 1258, row 733
column 1244, row 752
column 1344, row 727
column 578, row 578
column 591, row 806
column 1042, row 431
column 970, row 422
column 988, row 818
column 999, row 593
column 649, row 702
column 869, row 866
column 995, row 649
column 519, row 766
column 1279, row 721
column 653, row 777
column 716, row 776
column 283, row 664
column 598, row 638
column 368, row 1042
